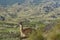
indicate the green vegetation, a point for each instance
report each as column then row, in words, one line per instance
column 8, row 31
column 44, row 17
column 12, row 32
column 37, row 35
column 52, row 34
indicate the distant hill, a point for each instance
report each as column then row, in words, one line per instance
column 11, row 2
column 33, row 10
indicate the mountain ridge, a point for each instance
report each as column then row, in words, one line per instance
column 46, row 10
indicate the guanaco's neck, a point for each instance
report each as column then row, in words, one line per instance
column 21, row 31
column 21, row 28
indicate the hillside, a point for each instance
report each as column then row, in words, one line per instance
column 42, row 15
column 30, row 10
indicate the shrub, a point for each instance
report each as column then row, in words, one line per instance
column 36, row 36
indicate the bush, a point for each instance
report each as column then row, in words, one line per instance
column 56, row 37
column 36, row 36
column 54, row 34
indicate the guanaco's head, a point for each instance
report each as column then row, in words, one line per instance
column 20, row 23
